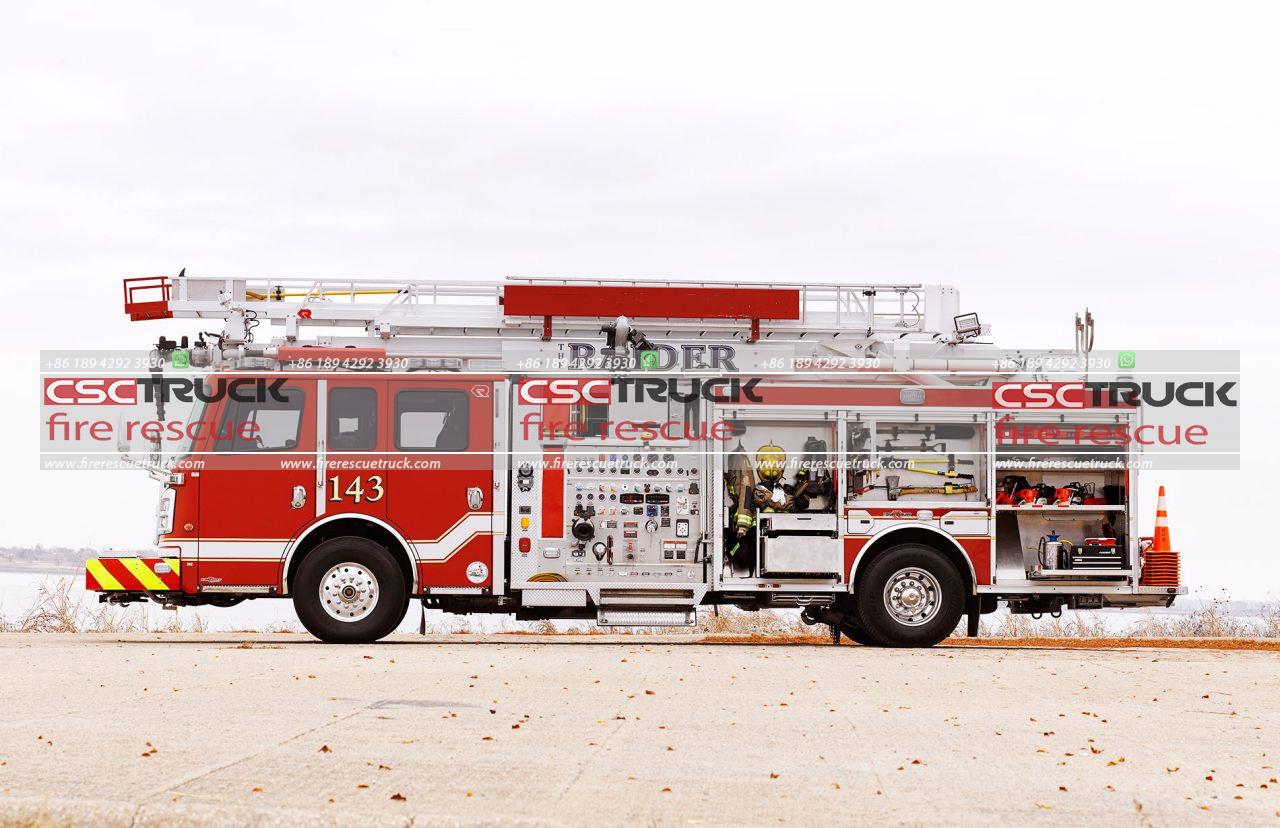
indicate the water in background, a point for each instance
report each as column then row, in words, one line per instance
column 19, row 590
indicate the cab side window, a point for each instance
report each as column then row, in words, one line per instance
column 353, row 419
column 432, row 420
column 272, row 424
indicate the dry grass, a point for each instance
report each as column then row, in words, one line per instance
column 1119, row 642
column 1211, row 622
column 58, row 608
column 1077, row 625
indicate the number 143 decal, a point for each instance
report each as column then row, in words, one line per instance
column 361, row 490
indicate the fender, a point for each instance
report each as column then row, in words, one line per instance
column 293, row 545
column 883, row 533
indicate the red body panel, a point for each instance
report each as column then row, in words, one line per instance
column 651, row 302
column 226, row 571
column 240, row 505
column 246, row 516
column 976, row 549
column 350, row 464
column 453, row 571
column 427, row 491
column 553, row 493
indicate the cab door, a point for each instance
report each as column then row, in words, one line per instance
column 258, row 484
column 353, row 412
column 440, row 476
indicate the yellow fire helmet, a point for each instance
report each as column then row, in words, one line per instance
column 771, row 461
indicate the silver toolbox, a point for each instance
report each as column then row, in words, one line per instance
column 783, row 522
column 800, row 545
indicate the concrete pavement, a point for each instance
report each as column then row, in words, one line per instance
column 265, row 729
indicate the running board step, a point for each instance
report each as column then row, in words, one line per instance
column 648, row 597
column 643, row 616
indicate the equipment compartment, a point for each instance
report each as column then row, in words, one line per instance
column 800, row 545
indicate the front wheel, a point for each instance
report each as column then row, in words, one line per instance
column 910, row 596
column 349, row 590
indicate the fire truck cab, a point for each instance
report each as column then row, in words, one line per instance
column 627, row 452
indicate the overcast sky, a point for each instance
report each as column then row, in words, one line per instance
column 1041, row 158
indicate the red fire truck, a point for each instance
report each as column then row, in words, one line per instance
column 628, row 451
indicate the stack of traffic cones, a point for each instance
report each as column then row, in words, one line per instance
column 1160, row 565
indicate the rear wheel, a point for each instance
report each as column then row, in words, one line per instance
column 350, row 590
column 853, row 630
column 849, row 626
column 910, row 596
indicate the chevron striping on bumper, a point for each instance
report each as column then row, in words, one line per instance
column 131, row 575
column 98, row 578
column 143, row 573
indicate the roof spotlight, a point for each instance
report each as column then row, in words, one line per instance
column 967, row 325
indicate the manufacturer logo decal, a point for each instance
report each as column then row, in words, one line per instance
column 1040, row 395
column 550, row 391
column 477, row 572
column 91, row 391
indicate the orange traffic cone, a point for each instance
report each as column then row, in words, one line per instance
column 1160, row 564
column 1161, row 542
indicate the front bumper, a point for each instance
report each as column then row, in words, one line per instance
column 132, row 575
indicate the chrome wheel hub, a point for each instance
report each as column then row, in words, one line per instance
column 348, row 592
column 912, row 596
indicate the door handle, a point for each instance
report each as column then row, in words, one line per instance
column 299, row 497
column 475, row 497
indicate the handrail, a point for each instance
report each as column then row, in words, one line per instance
column 832, row 306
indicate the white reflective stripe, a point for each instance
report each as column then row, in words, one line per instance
column 453, row 540
column 322, row 437
column 264, row 550
column 179, row 548
column 425, row 550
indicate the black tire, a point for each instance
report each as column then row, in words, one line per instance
column 921, row 574
column 373, row 579
column 849, row 626
column 855, row 633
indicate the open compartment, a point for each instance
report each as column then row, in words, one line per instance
column 928, row 457
column 780, row 496
column 1062, row 498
